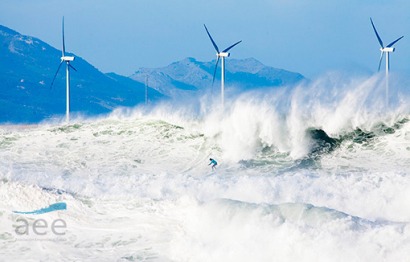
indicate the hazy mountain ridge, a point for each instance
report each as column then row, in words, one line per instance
column 192, row 75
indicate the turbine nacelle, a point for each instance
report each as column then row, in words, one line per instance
column 67, row 58
column 223, row 54
column 388, row 49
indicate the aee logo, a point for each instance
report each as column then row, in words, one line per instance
column 41, row 227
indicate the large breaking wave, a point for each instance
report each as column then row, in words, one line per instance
column 317, row 172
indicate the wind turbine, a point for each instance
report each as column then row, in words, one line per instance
column 67, row 60
column 385, row 50
column 220, row 55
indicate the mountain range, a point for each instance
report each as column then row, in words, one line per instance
column 190, row 76
column 27, row 67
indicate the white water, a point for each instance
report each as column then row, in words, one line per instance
column 138, row 188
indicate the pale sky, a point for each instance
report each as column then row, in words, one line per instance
column 311, row 37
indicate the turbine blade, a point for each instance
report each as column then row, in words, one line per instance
column 63, row 50
column 380, row 62
column 395, row 41
column 210, row 37
column 377, row 34
column 216, row 67
column 72, row 67
column 227, row 49
column 55, row 75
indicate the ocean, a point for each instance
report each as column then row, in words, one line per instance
column 316, row 172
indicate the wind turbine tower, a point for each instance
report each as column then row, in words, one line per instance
column 220, row 55
column 385, row 50
column 146, row 90
column 67, row 60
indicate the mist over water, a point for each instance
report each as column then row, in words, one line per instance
column 315, row 172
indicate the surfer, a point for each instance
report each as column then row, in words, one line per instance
column 213, row 163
